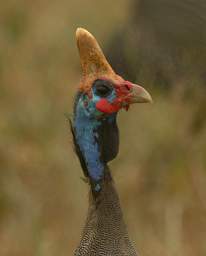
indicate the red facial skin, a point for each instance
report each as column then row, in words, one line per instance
column 121, row 101
column 106, row 107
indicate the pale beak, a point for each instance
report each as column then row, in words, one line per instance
column 138, row 94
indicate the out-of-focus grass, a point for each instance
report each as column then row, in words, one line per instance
column 159, row 173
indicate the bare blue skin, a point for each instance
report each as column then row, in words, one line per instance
column 86, row 123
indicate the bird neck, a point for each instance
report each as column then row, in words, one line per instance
column 105, row 209
column 87, row 138
column 105, row 229
column 97, row 143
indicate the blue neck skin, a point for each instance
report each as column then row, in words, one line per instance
column 86, row 124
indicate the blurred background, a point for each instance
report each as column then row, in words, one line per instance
column 160, row 172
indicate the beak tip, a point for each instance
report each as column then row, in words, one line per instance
column 140, row 95
column 149, row 99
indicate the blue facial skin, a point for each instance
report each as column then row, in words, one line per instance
column 86, row 123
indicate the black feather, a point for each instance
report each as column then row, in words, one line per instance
column 108, row 139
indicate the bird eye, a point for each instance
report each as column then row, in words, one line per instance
column 102, row 88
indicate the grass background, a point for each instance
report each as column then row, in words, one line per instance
column 159, row 173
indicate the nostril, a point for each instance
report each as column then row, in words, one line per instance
column 127, row 85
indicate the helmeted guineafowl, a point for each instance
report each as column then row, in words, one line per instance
column 101, row 94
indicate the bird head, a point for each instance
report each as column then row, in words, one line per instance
column 101, row 94
column 105, row 92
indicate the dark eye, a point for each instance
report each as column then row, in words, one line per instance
column 102, row 88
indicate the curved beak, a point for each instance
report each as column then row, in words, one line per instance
column 137, row 94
